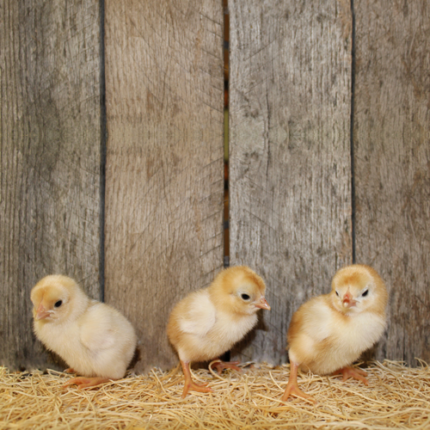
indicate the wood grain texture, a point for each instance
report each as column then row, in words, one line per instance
column 50, row 160
column 164, row 189
column 392, row 164
column 290, row 195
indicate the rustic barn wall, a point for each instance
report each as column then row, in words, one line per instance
column 392, row 164
column 164, row 171
column 290, row 173
column 50, row 159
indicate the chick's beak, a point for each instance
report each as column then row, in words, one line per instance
column 41, row 313
column 262, row 304
column 348, row 302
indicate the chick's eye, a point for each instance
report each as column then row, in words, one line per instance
column 58, row 304
column 245, row 296
column 337, row 294
column 365, row 293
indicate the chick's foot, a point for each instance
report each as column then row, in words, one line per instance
column 83, row 382
column 349, row 372
column 189, row 384
column 292, row 388
column 219, row 365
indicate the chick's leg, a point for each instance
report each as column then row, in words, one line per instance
column 83, row 382
column 220, row 365
column 350, row 372
column 292, row 388
column 189, row 384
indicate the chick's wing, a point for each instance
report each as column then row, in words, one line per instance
column 98, row 327
column 318, row 319
column 199, row 314
column 313, row 320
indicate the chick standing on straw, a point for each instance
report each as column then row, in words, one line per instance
column 329, row 332
column 208, row 322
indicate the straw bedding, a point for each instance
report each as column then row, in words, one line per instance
column 397, row 397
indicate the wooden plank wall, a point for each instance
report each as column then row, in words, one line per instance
column 50, row 159
column 164, row 188
column 290, row 200
column 290, row 196
column 392, row 164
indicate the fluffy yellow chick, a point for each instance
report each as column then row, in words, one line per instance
column 208, row 322
column 93, row 338
column 329, row 332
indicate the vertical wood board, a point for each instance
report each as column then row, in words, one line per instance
column 290, row 173
column 392, row 164
column 50, row 160
column 164, row 187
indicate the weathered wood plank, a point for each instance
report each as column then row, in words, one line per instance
column 164, row 188
column 290, row 195
column 50, row 159
column 392, row 164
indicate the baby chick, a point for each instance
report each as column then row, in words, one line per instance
column 91, row 337
column 208, row 322
column 329, row 332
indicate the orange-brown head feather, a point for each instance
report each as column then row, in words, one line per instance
column 53, row 297
column 239, row 290
column 358, row 288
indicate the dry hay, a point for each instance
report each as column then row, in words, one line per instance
column 397, row 397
